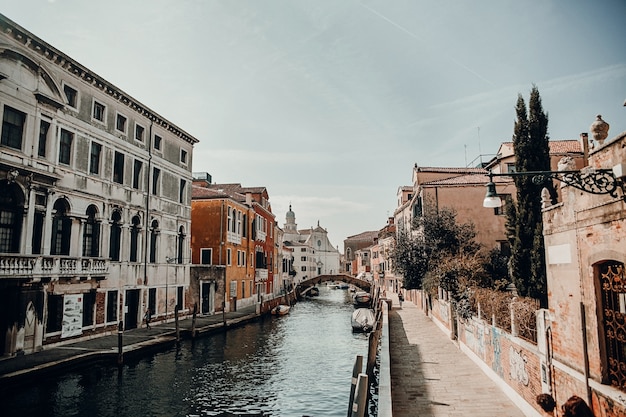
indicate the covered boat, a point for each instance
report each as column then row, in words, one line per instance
column 280, row 310
column 362, row 298
column 363, row 320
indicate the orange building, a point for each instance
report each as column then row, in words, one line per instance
column 233, row 228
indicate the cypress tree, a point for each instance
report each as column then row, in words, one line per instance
column 532, row 153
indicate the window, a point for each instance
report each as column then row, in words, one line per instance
column 243, row 289
column 154, row 232
column 94, row 158
column 138, row 166
column 303, row 268
column 181, row 192
column 99, row 110
column 206, row 256
column 610, row 275
column 152, row 300
column 156, row 172
column 183, row 156
column 44, row 127
column 38, row 222
column 65, row 147
column 303, row 258
column 228, row 257
column 118, row 168
column 510, row 167
column 71, row 95
column 91, row 234
column 55, row 313
column 139, row 132
column 61, row 229
column 111, row 306
column 157, row 142
column 302, row 249
column 11, row 215
column 180, row 250
column 115, row 239
column 12, row 127
column 89, row 303
column 134, row 239
column 120, row 123
column 179, row 298
column 245, row 226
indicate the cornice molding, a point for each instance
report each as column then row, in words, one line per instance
column 54, row 56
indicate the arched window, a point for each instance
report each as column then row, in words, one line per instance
column 91, row 234
column 61, row 228
column 134, row 238
column 115, row 240
column 11, row 208
column 613, row 292
column 154, row 232
column 180, row 244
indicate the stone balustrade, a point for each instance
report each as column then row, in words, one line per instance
column 21, row 266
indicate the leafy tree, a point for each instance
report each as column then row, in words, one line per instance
column 409, row 258
column 532, row 153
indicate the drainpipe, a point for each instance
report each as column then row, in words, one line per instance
column 147, row 216
column 583, row 324
column 220, row 262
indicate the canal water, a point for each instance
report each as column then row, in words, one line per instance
column 294, row 365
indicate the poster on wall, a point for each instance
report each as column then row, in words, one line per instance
column 72, row 315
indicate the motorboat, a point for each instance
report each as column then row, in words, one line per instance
column 363, row 320
column 362, row 298
column 280, row 310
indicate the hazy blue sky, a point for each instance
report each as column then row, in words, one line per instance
column 330, row 103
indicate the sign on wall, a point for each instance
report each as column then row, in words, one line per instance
column 72, row 315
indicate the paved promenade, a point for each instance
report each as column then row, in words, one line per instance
column 431, row 377
column 105, row 348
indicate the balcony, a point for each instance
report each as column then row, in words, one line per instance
column 36, row 267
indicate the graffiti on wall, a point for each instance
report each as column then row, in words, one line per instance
column 497, row 352
column 517, row 363
column 475, row 339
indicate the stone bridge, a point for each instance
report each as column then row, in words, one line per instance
column 305, row 285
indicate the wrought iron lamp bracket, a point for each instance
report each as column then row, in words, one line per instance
column 593, row 181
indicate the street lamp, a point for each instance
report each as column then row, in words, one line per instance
column 590, row 180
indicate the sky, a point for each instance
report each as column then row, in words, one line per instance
column 330, row 103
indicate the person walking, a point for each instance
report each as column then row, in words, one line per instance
column 148, row 317
column 400, row 298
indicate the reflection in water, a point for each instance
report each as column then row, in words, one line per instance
column 293, row 365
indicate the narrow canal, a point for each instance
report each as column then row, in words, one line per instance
column 295, row 365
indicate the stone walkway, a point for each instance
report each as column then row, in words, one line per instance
column 431, row 377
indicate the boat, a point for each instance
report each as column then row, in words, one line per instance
column 343, row 286
column 363, row 320
column 280, row 310
column 361, row 298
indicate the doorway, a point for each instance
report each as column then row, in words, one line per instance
column 131, row 309
column 207, row 291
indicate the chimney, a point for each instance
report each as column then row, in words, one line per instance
column 584, row 142
column 249, row 199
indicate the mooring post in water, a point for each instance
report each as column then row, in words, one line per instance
column 120, row 344
column 176, row 321
column 193, row 321
column 360, row 398
column 356, row 370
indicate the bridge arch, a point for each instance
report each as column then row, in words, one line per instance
column 305, row 286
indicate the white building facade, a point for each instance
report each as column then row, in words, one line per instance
column 94, row 201
column 313, row 253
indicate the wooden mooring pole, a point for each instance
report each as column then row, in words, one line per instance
column 356, row 370
column 360, row 399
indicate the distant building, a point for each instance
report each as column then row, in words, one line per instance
column 94, row 201
column 354, row 260
column 313, row 254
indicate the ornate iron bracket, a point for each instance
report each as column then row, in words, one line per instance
column 594, row 181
